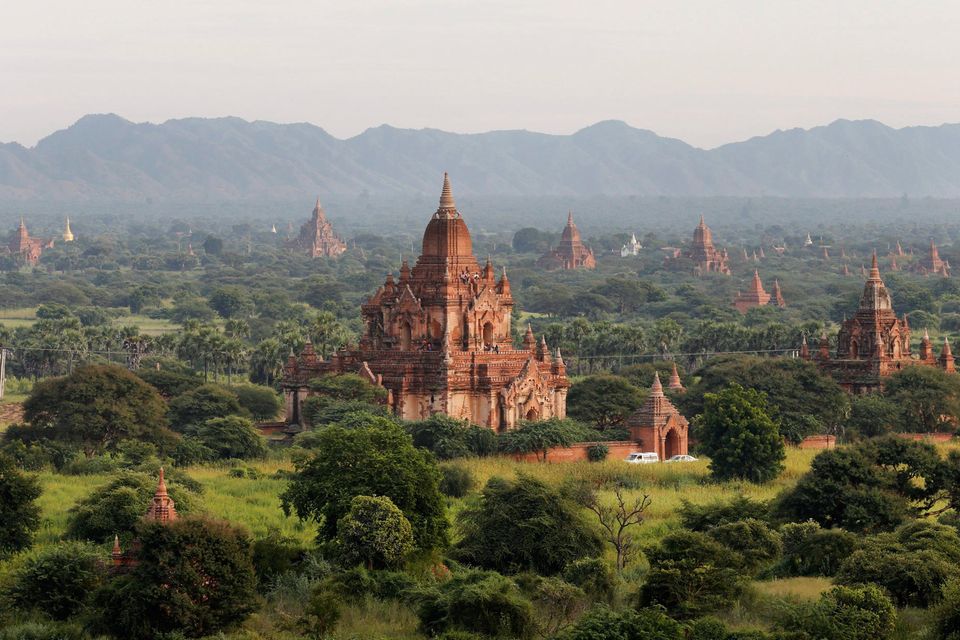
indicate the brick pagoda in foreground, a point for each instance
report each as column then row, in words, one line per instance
column 658, row 426
column 438, row 338
column 874, row 343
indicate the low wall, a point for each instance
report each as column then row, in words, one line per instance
column 577, row 452
column 936, row 438
column 818, row 442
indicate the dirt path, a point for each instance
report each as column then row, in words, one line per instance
column 10, row 413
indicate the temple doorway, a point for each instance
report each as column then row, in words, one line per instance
column 532, row 414
column 405, row 336
column 488, row 334
column 671, row 446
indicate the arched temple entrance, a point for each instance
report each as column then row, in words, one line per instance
column 671, row 445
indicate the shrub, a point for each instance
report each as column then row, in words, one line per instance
column 913, row 578
column 597, row 452
column 374, row 532
column 524, row 525
column 321, row 614
column 19, row 513
column 646, row 624
column 262, row 402
column 58, row 580
column 556, row 603
column 809, row 550
column 230, row 437
column 594, row 576
column 203, row 403
column 446, row 437
column 273, row 555
column 540, row 437
column 456, row 481
column 691, row 575
column 376, row 460
column 844, row 613
column 702, row 517
column 117, row 507
column 947, row 613
column 480, row 602
column 192, row 576
column 603, row 400
column 758, row 545
column 44, row 631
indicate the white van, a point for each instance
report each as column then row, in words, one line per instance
column 648, row 457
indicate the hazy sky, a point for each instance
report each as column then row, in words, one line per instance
column 706, row 71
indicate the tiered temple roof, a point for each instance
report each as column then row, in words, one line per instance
column 658, row 426
column 438, row 338
column 25, row 248
column 571, row 253
column 317, row 237
column 754, row 296
column 705, row 256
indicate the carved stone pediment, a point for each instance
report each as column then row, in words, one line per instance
column 408, row 303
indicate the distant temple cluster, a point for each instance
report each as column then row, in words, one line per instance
column 317, row 238
column 874, row 343
column 571, row 253
column 439, row 340
column 932, row 263
column 756, row 295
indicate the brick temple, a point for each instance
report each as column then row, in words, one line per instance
column 571, row 253
column 658, row 426
column 703, row 254
column 757, row 296
column 438, row 338
column 317, row 238
column 25, row 248
column 932, row 263
column 874, row 343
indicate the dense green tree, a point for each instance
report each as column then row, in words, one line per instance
column 603, row 400
column 203, row 403
column 262, row 402
column 368, row 461
column 193, row 577
column 740, row 437
column 947, row 612
column 844, row 613
column 58, row 580
column 705, row 516
column 480, row 602
column 645, row 624
column 928, row 398
column 19, row 513
column 524, row 525
column 96, row 407
column 692, row 574
column 448, row 437
column 230, row 437
column 809, row 550
column 754, row 540
column 872, row 415
column 375, row 533
column 231, row 302
column 912, row 578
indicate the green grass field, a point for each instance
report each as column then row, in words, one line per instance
column 27, row 316
column 254, row 503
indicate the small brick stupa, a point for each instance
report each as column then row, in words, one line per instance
column 658, row 426
column 162, row 509
column 754, row 296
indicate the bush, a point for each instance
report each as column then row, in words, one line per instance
column 44, row 631
column 262, row 402
column 273, row 555
column 203, row 403
column 692, row 575
column 524, row 525
column 646, row 624
column 230, row 437
column 321, row 614
column 594, row 576
column 758, row 545
column 19, row 513
column 117, row 507
column 702, row 517
column 913, row 578
column 844, row 613
column 446, row 437
column 479, row 602
column 376, row 460
column 947, row 613
column 456, row 481
column 193, row 577
column 374, row 532
column 540, row 437
column 597, row 452
column 809, row 550
column 58, row 580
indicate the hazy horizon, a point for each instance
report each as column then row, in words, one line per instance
column 698, row 71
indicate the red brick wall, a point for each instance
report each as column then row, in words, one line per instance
column 577, row 452
column 818, row 442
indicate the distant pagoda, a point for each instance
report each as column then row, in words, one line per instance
column 571, row 253
column 317, row 238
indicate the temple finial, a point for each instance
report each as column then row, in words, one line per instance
column 446, row 196
column 657, row 387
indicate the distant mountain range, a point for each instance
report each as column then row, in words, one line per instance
column 104, row 157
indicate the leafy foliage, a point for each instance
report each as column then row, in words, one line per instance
column 539, row 437
column 375, row 533
column 58, row 580
column 448, row 437
column 480, row 602
column 741, row 439
column 603, row 400
column 524, row 525
column 379, row 461
column 19, row 513
column 203, row 403
column 230, row 437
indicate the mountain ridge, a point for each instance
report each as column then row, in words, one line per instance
column 104, row 156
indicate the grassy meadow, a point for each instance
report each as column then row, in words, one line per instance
column 254, row 503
